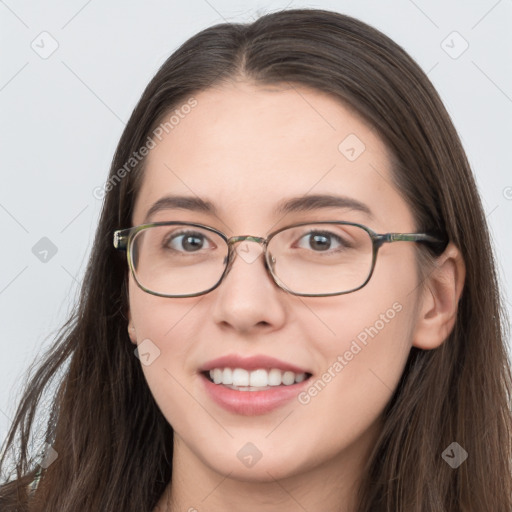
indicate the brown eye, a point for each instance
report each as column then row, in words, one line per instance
column 320, row 241
column 189, row 241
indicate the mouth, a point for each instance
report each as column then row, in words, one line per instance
column 252, row 385
column 261, row 379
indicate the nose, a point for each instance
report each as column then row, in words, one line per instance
column 248, row 299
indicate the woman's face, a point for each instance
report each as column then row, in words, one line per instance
column 246, row 149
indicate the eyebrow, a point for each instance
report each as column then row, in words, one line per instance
column 307, row 203
column 193, row 204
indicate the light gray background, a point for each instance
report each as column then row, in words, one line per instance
column 61, row 118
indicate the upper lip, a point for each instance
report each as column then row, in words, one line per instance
column 250, row 363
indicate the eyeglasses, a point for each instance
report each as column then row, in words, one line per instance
column 320, row 259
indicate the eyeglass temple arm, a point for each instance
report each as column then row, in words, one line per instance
column 121, row 239
column 407, row 237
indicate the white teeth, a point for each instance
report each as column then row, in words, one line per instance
column 240, row 377
column 258, row 378
column 217, row 376
column 274, row 377
column 288, row 378
column 300, row 377
column 227, row 376
column 248, row 381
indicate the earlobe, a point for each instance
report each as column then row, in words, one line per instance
column 438, row 309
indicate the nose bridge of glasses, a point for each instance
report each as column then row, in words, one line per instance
column 242, row 238
column 249, row 253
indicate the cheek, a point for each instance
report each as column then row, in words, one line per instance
column 160, row 319
column 365, row 347
column 163, row 326
column 363, row 364
column 366, row 342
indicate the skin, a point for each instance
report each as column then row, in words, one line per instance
column 245, row 147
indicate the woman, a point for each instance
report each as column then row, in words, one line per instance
column 291, row 300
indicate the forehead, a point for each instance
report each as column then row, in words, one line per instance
column 244, row 148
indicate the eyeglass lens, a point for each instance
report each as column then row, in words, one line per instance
column 308, row 259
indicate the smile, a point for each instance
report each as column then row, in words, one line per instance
column 252, row 385
column 241, row 379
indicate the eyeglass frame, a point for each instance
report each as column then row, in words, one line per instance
column 123, row 238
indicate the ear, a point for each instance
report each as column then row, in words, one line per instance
column 131, row 329
column 438, row 307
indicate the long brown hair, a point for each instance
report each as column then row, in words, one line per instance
column 101, row 408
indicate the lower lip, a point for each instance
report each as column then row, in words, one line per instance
column 252, row 403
